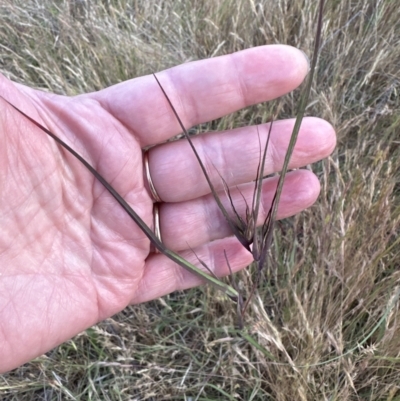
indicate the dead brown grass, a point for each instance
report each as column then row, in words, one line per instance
column 335, row 270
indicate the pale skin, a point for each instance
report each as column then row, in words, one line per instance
column 69, row 255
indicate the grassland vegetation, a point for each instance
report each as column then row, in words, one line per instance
column 333, row 282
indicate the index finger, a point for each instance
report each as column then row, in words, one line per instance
column 203, row 90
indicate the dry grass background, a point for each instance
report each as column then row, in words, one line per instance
column 335, row 273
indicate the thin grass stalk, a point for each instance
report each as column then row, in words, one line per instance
column 300, row 114
column 228, row 290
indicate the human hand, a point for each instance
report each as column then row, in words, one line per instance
column 69, row 254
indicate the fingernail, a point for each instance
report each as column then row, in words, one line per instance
column 308, row 60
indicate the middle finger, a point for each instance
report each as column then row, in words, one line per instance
column 234, row 155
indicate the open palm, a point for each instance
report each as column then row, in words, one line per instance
column 69, row 254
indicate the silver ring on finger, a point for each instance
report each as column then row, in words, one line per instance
column 150, row 183
column 156, row 224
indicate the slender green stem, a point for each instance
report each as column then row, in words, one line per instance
column 300, row 114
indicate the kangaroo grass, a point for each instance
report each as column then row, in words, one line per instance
column 258, row 242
